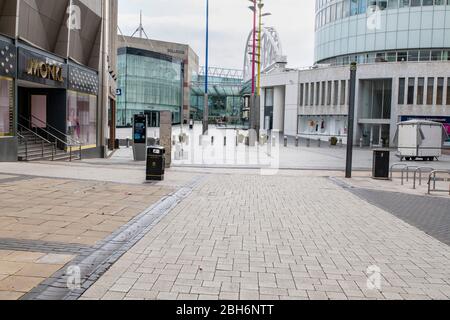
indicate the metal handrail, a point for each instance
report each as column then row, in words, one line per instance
column 26, row 144
column 433, row 174
column 42, row 139
column 420, row 170
column 407, row 173
column 396, row 165
column 67, row 146
column 70, row 140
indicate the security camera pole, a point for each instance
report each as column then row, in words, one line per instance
column 351, row 120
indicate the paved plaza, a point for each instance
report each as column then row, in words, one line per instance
column 218, row 149
column 217, row 233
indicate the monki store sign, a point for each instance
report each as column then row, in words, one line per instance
column 44, row 70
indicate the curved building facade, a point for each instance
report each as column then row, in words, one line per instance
column 402, row 48
column 366, row 31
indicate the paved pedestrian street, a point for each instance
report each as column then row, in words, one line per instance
column 242, row 235
column 47, row 222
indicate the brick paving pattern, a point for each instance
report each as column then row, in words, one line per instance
column 46, row 222
column 431, row 215
column 254, row 237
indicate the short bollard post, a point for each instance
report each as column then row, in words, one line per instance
column 319, row 142
column 308, row 142
column 224, row 141
column 296, row 141
column 341, row 142
column 285, row 141
column 212, row 141
column 361, row 143
column 128, row 142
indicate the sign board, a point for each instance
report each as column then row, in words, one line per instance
column 118, row 92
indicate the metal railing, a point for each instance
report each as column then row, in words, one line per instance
column 432, row 177
column 38, row 138
column 407, row 169
column 421, row 170
column 67, row 145
column 393, row 166
column 21, row 139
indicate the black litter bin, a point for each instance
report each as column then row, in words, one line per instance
column 381, row 158
column 156, row 163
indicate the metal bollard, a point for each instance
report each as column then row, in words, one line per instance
column 224, row 141
column 296, row 141
column 341, row 143
column 212, row 141
column 285, row 141
column 361, row 143
column 308, row 142
column 128, row 142
column 319, row 142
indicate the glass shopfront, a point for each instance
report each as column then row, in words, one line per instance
column 82, row 118
column 6, row 107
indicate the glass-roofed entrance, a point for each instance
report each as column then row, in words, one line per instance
column 226, row 92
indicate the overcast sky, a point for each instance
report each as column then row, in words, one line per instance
column 183, row 21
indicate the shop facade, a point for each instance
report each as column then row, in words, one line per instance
column 56, row 91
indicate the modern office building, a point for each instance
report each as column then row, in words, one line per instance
column 154, row 75
column 57, row 77
column 402, row 48
column 226, row 90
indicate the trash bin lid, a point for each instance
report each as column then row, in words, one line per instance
column 156, row 150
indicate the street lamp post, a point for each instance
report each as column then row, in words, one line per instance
column 351, row 120
column 206, row 107
column 258, row 88
column 253, row 8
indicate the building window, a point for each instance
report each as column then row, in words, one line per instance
column 329, row 93
column 343, row 92
column 448, row 91
column 401, row 91
column 323, row 93
column 440, row 91
column 317, row 93
column 420, row 90
column 430, row 91
column 411, row 83
column 307, row 94
column 302, row 88
column 6, row 107
column 336, row 93
column 82, row 118
column 311, row 103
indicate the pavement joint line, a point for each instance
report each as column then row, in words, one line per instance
column 409, row 208
column 16, row 178
column 42, row 246
column 98, row 259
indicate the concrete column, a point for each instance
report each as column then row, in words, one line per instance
column 278, row 108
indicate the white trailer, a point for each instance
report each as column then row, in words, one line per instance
column 420, row 139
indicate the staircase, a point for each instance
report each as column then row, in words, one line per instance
column 45, row 143
column 33, row 147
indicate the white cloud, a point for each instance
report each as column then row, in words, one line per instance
column 183, row 21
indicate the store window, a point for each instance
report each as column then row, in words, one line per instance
column 82, row 118
column 6, row 107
